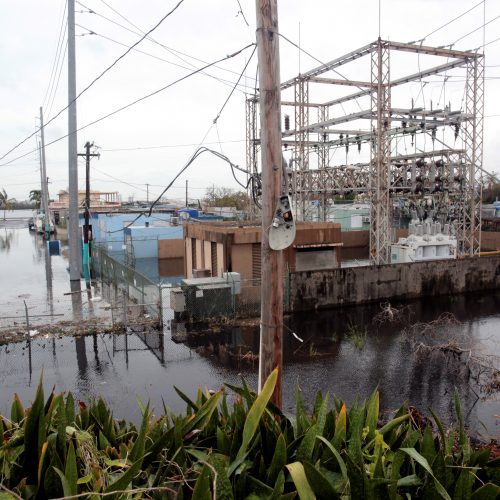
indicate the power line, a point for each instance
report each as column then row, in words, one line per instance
column 57, row 55
column 322, row 63
column 58, row 80
column 452, row 21
column 235, row 85
column 196, row 154
column 174, row 52
column 140, row 148
column 126, row 106
column 221, row 80
column 474, row 30
column 97, row 78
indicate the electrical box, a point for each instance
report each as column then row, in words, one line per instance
column 212, row 301
column 233, row 279
column 177, row 299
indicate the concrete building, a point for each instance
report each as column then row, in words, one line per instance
column 213, row 248
column 99, row 201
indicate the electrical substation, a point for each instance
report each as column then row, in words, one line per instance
column 390, row 143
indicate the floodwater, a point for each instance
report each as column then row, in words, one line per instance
column 343, row 352
column 36, row 282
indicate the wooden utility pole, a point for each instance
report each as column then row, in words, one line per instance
column 86, row 227
column 271, row 324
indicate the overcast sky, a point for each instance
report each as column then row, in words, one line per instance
column 149, row 142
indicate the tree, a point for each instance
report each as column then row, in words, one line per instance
column 36, row 197
column 218, row 196
column 5, row 202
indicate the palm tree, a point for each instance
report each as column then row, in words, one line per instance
column 5, row 202
column 36, row 197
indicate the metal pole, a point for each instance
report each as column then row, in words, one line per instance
column 147, row 193
column 271, row 327
column 75, row 260
column 45, row 196
column 186, row 193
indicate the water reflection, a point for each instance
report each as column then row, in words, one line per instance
column 6, row 240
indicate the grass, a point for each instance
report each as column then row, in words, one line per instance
column 356, row 335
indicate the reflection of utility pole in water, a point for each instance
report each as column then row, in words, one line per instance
column 28, row 338
column 96, row 353
column 76, row 300
column 81, row 357
column 48, row 278
column 48, row 283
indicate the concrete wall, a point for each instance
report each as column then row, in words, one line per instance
column 318, row 259
column 241, row 260
column 347, row 286
column 490, row 241
column 207, row 252
column 169, row 249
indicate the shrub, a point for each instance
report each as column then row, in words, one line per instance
column 246, row 449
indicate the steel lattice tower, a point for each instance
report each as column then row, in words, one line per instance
column 447, row 176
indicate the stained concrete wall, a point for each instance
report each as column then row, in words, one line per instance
column 169, row 249
column 347, row 286
column 490, row 240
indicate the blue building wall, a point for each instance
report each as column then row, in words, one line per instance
column 108, row 228
column 144, row 240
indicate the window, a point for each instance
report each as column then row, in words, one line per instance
column 256, row 261
column 213, row 255
column 193, row 253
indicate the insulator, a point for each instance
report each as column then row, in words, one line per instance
column 418, row 178
column 457, row 130
column 404, row 124
column 286, row 145
column 439, row 163
column 438, row 187
column 287, row 122
column 324, row 136
column 341, row 139
column 420, row 162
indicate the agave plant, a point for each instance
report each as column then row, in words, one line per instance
column 237, row 445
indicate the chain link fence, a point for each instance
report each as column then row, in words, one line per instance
column 219, row 301
column 131, row 292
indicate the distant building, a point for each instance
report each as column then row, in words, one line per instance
column 103, row 201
